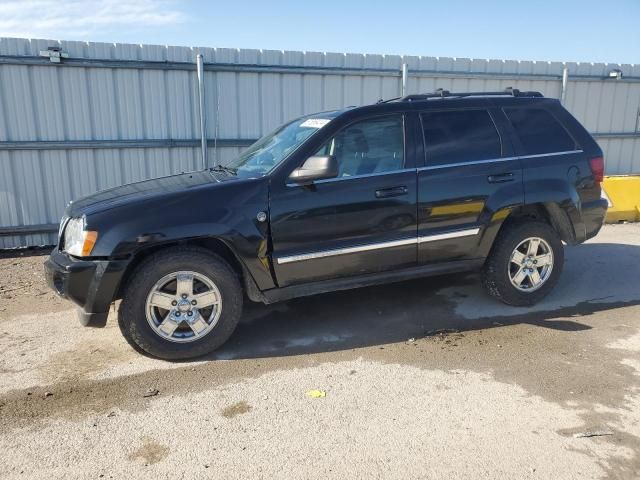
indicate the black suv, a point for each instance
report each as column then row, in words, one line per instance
column 410, row 187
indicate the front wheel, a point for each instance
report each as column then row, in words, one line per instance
column 524, row 264
column 180, row 303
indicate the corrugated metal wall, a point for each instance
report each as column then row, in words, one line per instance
column 112, row 113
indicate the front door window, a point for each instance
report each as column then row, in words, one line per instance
column 371, row 146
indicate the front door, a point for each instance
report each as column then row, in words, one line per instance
column 363, row 221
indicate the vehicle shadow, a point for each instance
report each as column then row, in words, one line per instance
column 597, row 277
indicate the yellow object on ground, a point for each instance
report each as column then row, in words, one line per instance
column 316, row 393
column 623, row 193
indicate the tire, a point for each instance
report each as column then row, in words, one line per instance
column 140, row 320
column 499, row 269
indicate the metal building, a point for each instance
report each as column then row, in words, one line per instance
column 79, row 117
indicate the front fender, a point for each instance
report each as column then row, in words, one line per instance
column 227, row 213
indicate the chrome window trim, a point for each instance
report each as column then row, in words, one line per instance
column 538, row 155
column 364, row 175
column 376, row 246
column 437, row 167
column 460, row 164
column 444, row 236
column 496, row 160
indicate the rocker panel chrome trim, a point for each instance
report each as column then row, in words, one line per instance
column 344, row 251
column 444, row 236
column 376, row 246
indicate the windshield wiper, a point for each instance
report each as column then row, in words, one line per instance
column 225, row 169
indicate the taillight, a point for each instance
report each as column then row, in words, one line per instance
column 597, row 168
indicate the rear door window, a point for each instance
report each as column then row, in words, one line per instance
column 539, row 131
column 458, row 136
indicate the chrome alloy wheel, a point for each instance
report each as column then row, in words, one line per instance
column 183, row 306
column 530, row 264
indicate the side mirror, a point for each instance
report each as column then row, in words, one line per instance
column 315, row 168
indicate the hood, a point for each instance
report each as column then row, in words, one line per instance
column 133, row 192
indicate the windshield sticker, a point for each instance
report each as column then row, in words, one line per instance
column 315, row 122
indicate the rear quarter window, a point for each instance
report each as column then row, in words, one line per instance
column 539, row 131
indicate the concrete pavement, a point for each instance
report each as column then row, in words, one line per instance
column 423, row 379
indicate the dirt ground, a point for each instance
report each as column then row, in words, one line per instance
column 421, row 379
column 22, row 283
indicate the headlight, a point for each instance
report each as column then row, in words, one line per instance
column 78, row 241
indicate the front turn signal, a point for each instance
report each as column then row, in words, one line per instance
column 90, row 239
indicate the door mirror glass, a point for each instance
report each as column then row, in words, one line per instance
column 314, row 168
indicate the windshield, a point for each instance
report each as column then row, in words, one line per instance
column 270, row 150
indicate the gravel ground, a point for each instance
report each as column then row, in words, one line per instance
column 422, row 379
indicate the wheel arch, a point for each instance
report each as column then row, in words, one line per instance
column 548, row 212
column 213, row 245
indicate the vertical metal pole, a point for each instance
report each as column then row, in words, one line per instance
column 217, row 125
column 565, row 79
column 405, row 77
column 203, row 113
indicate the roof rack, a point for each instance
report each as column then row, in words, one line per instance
column 441, row 93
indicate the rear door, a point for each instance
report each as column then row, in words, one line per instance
column 470, row 173
column 363, row 221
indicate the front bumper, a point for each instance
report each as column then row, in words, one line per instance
column 90, row 284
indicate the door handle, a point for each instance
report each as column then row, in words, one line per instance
column 391, row 192
column 501, row 177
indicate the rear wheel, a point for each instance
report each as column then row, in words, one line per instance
column 524, row 264
column 180, row 303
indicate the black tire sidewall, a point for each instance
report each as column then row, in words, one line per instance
column 496, row 277
column 132, row 315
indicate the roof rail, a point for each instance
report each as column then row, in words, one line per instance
column 441, row 93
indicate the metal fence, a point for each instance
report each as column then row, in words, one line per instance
column 79, row 117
